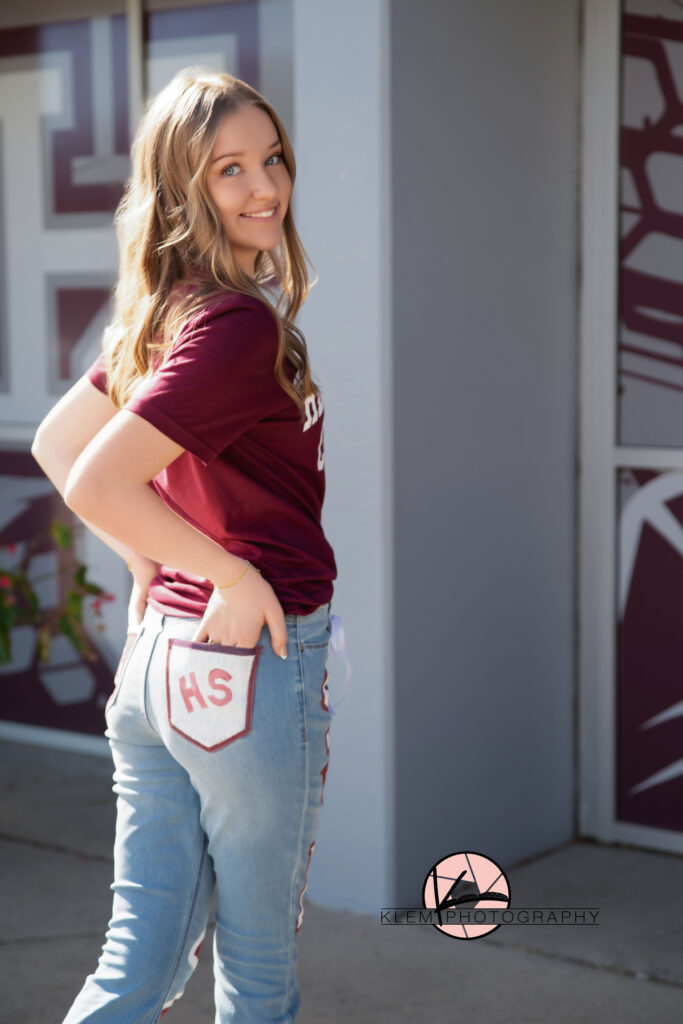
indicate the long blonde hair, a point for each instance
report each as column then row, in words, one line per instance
column 170, row 232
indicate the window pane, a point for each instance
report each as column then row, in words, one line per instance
column 650, row 400
column 650, row 649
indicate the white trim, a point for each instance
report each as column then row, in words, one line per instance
column 136, row 64
column 385, row 300
column 661, row 839
column 58, row 739
column 18, row 433
column 648, row 458
column 342, row 333
column 597, row 360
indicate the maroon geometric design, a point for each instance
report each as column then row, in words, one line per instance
column 23, row 697
column 649, row 304
column 73, row 37
column 67, row 143
column 650, row 680
column 75, row 309
column 239, row 19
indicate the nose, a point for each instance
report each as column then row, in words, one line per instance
column 263, row 185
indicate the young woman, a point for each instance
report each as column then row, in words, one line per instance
column 193, row 447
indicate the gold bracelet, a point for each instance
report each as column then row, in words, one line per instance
column 226, row 585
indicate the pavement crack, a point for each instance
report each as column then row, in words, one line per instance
column 625, row 972
column 38, row 939
column 40, row 844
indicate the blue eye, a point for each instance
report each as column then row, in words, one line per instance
column 273, row 156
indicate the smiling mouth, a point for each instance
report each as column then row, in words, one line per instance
column 262, row 214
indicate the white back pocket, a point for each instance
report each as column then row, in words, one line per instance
column 210, row 691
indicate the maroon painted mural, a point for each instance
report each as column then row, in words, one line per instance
column 650, row 649
column 68, row 691
column 649, row 689
column 651, row 208
column 64, row 160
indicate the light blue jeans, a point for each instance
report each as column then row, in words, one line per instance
column 220, row 756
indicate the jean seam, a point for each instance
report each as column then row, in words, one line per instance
column 183, row 940
column 294, row 898
column 145, row 685
column 116, row 692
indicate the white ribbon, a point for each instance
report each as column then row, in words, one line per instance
column 338, row 645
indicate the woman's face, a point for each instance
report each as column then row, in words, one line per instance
column 246, row 175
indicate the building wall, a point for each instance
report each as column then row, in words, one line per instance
column 484, row 100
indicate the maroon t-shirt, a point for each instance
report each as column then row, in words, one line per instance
column 252, row 474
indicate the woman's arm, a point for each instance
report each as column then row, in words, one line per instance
column 65, row 432
column 108, row 486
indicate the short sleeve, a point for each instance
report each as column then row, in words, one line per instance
column 217, row 381
column 97, row 373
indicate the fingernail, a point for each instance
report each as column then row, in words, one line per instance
column 283, row 652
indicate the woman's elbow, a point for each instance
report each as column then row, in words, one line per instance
column 36, row 450
column 50, row 459
column 39, row 447
column 82, row 486
column 89, row 490
column 78, row 491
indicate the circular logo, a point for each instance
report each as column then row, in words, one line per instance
column 459, row 885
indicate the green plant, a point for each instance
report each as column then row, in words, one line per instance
column 19, row 604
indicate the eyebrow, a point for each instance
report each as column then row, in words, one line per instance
column 226, row 155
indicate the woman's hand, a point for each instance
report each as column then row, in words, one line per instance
column 144, row 570
column 235, row 615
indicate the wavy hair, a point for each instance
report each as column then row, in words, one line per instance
column 170, row 236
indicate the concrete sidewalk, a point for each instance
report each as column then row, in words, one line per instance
column 56, row 829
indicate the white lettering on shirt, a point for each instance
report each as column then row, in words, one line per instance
column 313, row 407
column 321, row 451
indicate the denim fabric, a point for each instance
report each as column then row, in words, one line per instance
column 220, row 756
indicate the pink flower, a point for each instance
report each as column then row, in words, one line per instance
column 5, row 581
column 108, row 597
column 97, row 603
column 12, row 548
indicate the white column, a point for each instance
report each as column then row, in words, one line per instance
column 136, row 64
column 342, row 210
